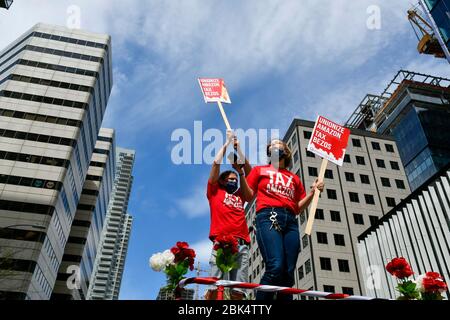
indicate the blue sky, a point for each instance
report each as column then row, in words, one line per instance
column 280, row 60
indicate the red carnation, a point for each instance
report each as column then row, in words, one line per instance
column 226, row 242
column 433, row 282
column 183, row 252
column 399, row 268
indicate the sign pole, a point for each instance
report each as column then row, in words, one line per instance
column 224, row 116
column 312, row 211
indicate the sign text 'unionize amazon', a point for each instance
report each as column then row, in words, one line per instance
column 214, row 90
column 329, row 140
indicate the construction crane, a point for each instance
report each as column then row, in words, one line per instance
column 428, row 43
column 5, row 3
column 198, row 270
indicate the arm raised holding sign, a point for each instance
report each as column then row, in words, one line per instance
column 280, row 197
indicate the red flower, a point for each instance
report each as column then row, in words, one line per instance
column 433, row 282
column 399, row 268
column 226, row 242
column 182, row 252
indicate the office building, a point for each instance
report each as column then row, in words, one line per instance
column 54, row 87
column 415, row 110
column 164, row 294
column 81, row 248
column 368, row 185
column 110, row 261
column 6, row 4
column 438, row 13
column 417, row 229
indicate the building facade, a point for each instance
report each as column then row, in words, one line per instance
column 415, row 110
column 438, row 13
column 370, row 183
column 417, row 229
column 81, row 248
column 54, row 88
column 110, row 262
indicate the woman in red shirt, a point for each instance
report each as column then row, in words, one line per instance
column 280, row 197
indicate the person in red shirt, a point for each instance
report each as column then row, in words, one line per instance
column 227, row 211
column 280, row 198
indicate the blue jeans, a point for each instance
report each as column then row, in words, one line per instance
column 279, row 250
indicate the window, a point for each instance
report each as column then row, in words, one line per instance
column 339, row 240
column 343, row 265
column 303, row 218
column 294, row 139
column 356, row 143
column 296, row 157
column 347, row 158
column 305, row 241
column 354, row 197
column 325, row 264
column 349, row 176
column 389, row 148
column 373, row 220
column 358, row 218
column 308, row 266
column 390, row 201
column 329, row 289
column 309, row 154
column 375, row 145
column 400, row 184
column 369, row 199
column 394, row 165
column 331, row 194
column 307, row 134
column 312, row 172
column 301, row 273
column 385, row 182
column 322, row 237
column 319, row 214
column 329, row 174
column 380, row 163
column 347, row 290
column 360, row 160
column 335, row 216
column 364, row 178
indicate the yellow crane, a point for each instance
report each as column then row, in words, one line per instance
column 428, row 43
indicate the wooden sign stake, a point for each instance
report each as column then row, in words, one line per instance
column 312, row 211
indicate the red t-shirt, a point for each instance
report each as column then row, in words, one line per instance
column 227, row 213
column 276, row 188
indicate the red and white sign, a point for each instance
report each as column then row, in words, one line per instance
column 214, row 90
column 329, row 140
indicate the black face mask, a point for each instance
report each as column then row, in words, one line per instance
column 231, row 187
column 276, row 155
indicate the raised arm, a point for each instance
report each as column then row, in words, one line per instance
column 215, row 169
column 242, row 160
column 304, row 203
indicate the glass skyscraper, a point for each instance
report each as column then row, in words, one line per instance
column 415, row 109
column 438, row 12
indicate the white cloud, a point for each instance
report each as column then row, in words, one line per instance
column 203, row 251
column 195, row 204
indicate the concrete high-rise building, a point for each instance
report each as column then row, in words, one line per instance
column 370, row 182
column 417, row 229
column 54, row 87
column 164, row 294
column 110, row 262
column 415, row 110
column 81, row 248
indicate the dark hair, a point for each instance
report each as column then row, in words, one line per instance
column 226, row 174
column 287, row 150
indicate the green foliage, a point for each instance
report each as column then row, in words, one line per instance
column 175, row 273
column 408, row 290
column 226, row 261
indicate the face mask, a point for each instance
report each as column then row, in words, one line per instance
column 276, row 155
column 231, row 187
